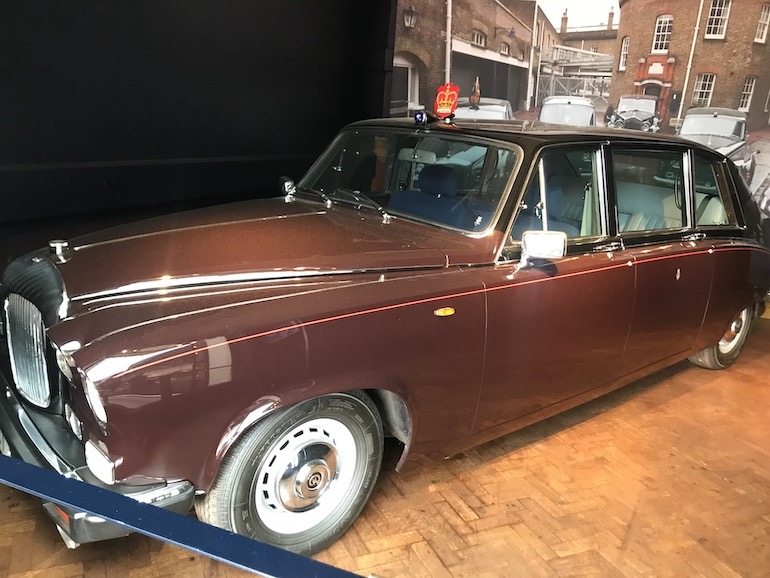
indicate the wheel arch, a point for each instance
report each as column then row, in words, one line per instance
column 396, row 418
column 392, row 407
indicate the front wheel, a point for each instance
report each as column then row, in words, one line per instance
column 300, row 478
column 724, row 353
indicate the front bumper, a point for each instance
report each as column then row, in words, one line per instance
column 48, row 443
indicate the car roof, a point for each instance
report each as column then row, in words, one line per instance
column 464, row 101
column 536, row 132
column 716, row 111
column 568, row 100
column 640, row 96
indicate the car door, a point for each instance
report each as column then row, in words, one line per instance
column 557, row 328
column 673, row 260
column 736, row 267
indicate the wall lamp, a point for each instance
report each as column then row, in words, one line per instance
column 509, row 32
column 410, row 17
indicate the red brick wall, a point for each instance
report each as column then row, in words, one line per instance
column 731, row 59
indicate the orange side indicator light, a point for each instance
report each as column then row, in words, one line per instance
column 444, row 312
column 61, row 513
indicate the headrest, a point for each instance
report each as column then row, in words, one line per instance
column 438, row 180
column 555, row 199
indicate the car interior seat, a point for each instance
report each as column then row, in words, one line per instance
column 437, row 198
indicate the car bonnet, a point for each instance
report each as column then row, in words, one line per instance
column 251, row 241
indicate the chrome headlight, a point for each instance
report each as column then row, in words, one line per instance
column 93, row 397
column 73, row 421
column 64, row 357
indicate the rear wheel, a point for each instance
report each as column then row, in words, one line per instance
column 299, row 479
column 724, row 353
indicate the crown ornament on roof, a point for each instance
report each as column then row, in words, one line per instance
column 446, row 100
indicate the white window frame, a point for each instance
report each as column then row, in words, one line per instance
column 716, row 26
column 767, row 102
column 479, row 39
column 661, row 38
column 704, row 89
column 412, row 83
column 624, row 53
column 762, row 24
column 505, row 49
column 747, row 93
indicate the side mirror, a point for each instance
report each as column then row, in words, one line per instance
column 542, row 245
column 288, row 188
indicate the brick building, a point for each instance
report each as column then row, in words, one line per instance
column 719, row 59
column 460, row 40
column 601, row 38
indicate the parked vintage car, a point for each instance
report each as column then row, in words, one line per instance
column 722, row 129
column 636, row 112
column 486, row 109
column 570, row 110
column 248, row 360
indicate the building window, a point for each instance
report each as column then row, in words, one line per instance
column 704, row 88
column 662, row 37
column 717, row 23
column 764, row 20
column 478, row 39
column 505, row 50
column 767, row 102
column 748, row 91
column 595, row 49
column 623, row 53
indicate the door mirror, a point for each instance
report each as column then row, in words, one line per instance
column 542, row 245
column 287, row 187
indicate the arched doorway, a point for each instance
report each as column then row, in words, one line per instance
column 652, row 90
column 405, row 90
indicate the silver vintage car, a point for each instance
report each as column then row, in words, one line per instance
column 722, row 129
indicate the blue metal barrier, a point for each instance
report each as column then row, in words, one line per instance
column 183, row 531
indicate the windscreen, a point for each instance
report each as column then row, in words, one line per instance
column 567, row 113
column 445, row 180
column 712, row 125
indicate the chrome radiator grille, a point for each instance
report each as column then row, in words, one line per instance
column 27, row 349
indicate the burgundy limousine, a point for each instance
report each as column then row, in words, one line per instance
column 439, row 282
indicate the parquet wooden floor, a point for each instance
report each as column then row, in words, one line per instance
column 669, row 476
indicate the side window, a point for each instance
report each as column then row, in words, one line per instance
column 649, row 186
column 567, row 191
column 713, row 206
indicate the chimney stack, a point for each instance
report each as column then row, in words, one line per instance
column 610, row 18
column 564, row 22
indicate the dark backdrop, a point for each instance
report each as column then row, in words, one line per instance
column 108, row 106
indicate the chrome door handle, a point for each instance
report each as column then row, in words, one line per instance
column 694, row 237
column 609, row 247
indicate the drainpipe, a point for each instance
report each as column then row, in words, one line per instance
column 448, row 50
column 530, row 90
column 689, row 63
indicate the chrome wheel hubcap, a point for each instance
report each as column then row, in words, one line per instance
column 307, row 475
column 731, row 337
column 307, row 478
